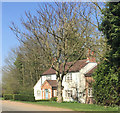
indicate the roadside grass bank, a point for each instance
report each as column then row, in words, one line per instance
column 74, row 106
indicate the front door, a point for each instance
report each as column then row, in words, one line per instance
column 46, row 93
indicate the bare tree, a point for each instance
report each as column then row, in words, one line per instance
column 63, row 30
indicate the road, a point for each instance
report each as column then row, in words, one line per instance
column 19, row 106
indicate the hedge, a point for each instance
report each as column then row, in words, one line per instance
column 8, row 96
column 22, row 97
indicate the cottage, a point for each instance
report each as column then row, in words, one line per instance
column 76, row 84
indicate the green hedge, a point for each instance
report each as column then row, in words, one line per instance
column 8, row 96
column 22, row 97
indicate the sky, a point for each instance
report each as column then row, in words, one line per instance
column 12, row 12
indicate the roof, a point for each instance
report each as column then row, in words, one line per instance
column 50, row 71
column 75, row 68
column 89, row 73
column 53, row 83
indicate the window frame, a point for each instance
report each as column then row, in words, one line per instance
column 38, row 92
column 90, row 92
column 68, row 77
column 48, row 77
column 68, row 93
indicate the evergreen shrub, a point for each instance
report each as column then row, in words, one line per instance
column 8, row 96
column 22, row 97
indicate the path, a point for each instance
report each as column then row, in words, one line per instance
column 19, row 106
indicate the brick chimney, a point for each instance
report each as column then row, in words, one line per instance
column 91, row 56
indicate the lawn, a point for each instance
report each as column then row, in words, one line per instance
column 77, row 106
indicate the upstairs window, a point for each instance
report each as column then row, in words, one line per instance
column 68, row 77
column 48, row 77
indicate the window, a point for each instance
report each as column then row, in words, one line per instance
column 55, row 93
column 90, row 92
column 38, row 92
column 69, row 77
column 68, row 93
column 48, row 77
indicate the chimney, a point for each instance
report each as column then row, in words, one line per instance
column 53, row 60
column 91, row 56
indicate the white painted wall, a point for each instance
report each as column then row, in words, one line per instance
column 36, row 88
column 72, row 85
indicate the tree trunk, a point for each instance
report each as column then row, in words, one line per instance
column 59, row 91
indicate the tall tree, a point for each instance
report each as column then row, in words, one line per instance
column 64, row 32
column 30, row 63
column 107, row 76
column 24, row 67
column 10, row 83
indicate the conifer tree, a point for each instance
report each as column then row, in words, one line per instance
column 107, row 76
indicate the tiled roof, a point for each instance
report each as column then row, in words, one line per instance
column 75, row 68
column 53, row 83
column 50, row 71
column 89, row 73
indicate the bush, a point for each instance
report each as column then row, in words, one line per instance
column 8, row 96
column 53, row 99
column 22, row 97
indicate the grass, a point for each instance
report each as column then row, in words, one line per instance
column 76, row 106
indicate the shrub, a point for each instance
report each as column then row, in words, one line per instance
column 8, row 96
column 22, row 97
column 53, row 99
column 31, row 98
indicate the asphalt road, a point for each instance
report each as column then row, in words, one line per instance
column 19, row 106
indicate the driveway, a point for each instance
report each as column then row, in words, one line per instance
column 19, row 106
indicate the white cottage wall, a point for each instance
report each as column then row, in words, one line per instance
column 37, row 88
column 70, row 85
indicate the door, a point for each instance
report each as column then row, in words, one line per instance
column 46, row 93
